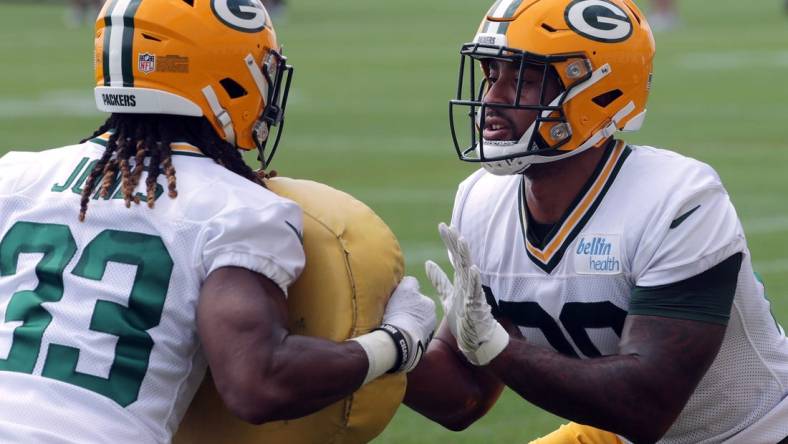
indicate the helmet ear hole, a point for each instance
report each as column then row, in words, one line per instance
column 233, row 89
column 605, row 99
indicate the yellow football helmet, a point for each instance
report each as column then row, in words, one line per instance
column 214, row 58
column 600, row 51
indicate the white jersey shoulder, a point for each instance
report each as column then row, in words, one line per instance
column 119, row 346
column 647, row 217
column 687, row 222
column 629, row 206
column 19, row 169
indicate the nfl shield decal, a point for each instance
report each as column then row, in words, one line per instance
column 146, row 63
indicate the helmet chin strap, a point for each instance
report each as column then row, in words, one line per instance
column 220, row 113
column 519, row 164
column 260, row 129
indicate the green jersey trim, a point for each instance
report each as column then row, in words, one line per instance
column 547, row 253
column 706, row 297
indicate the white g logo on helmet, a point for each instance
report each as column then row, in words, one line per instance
column 599, row 20
column 241, row 15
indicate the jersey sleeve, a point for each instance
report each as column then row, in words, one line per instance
column 11, row 164
column 459, row 202
column 460, row 214
column 696, row 234
column 706, row 297
column 5, row 174
column 460, row 199
column 266, row 240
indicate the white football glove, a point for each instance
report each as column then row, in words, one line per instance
column 480, row 337
column 449, row 293
column 469, row 317
column 410, row 321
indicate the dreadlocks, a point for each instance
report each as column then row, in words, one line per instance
column 135, row 137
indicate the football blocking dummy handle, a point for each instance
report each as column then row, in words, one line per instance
column 353, row 263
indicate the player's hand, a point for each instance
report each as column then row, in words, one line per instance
column 410, row 320
column 451, row 294
column 479, row 336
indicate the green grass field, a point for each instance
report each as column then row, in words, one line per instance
column 368, row 115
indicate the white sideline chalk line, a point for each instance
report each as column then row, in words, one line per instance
column 417, row 253
column 731, row 60
column 404, row 196
column 59, row 102
column 375, row 196
column 771, row 267
column 763, row 225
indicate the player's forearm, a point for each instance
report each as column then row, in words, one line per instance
column 299, row 376
column 613, row 393
column 306, row 374
column 448, row 390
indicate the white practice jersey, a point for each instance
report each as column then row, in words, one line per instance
column 98, row 338
column 648, row 217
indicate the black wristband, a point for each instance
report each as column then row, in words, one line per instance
column 400, row 343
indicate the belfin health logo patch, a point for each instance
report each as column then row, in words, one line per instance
column 598, row 254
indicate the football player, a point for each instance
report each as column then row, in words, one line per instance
column 109, row 315
column 607, row 283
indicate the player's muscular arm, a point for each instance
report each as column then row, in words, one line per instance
column 669, row 340
column 447, row 389
column 637, row 393
column 262, row 372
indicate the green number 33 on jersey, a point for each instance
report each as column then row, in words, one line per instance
column 128, row 323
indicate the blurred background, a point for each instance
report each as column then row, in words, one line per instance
column 368, row 115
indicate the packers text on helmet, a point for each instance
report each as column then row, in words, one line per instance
column 214, row 58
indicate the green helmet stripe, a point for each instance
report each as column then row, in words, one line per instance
column 502, row 9
column 107, row 32
column 508, row 14
column 128, row 38
column 118, row 40
column 512, row 8
column 491, row 12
